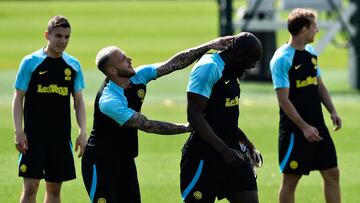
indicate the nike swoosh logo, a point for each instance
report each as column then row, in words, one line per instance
column 42, row 72
column 226, row 82
column 297, row 67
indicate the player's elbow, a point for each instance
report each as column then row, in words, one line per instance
column 192, row 116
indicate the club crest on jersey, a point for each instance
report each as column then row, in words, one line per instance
column 314, row 62
column 197, row 195
column 67, row 72
column 141, row 93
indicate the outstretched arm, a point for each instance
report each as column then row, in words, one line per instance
column 196, row 106
column 326, row 100
column 187, row 57
column 140, row 122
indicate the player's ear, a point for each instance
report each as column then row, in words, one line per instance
column 46, row 34
column 111, row 70
column 305, row 29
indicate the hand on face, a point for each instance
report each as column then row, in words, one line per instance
column 221, row 43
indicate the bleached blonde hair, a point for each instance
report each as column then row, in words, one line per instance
column 103, row 56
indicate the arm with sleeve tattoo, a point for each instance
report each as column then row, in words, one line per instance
column 140, row 122
column 187, row 57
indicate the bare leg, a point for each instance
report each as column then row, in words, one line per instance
column 30, row 189
column 52, row 194
column 287, row 188
column 244, row 197
column 331, row 185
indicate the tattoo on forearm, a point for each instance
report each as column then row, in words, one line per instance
column 140, row 122
column 182, row 60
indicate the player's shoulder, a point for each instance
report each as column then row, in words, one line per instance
column 112, row 95
column 144, row 74
column 310, row 49
column 113, row 90
column 145, row 69
column 210, row 59
column 72, row 61
column 285, row 53
column 209, row 63
column 35, row 56
column 70, row 57
column 31, row 61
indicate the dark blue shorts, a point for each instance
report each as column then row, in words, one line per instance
column 110, row 179
column 202, row 180
column 53, row 160
column 299, row 156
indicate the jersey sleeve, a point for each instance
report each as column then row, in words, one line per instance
column 79, row 83
column 144, row 74
column 280, row 72
column 116, row 109
column 24, row 75
column 318, row 72
column 203, row 78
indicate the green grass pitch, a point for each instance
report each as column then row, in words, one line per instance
column 151, row 31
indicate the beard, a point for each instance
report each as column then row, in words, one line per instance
column 128, row 73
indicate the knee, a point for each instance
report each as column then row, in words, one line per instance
column 53, row 189
column 290, row 183
column 332, row 175
column 30, row 189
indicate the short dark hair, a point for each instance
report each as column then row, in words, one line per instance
column 298, row 18
column 58, row 21
column 248, row 44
